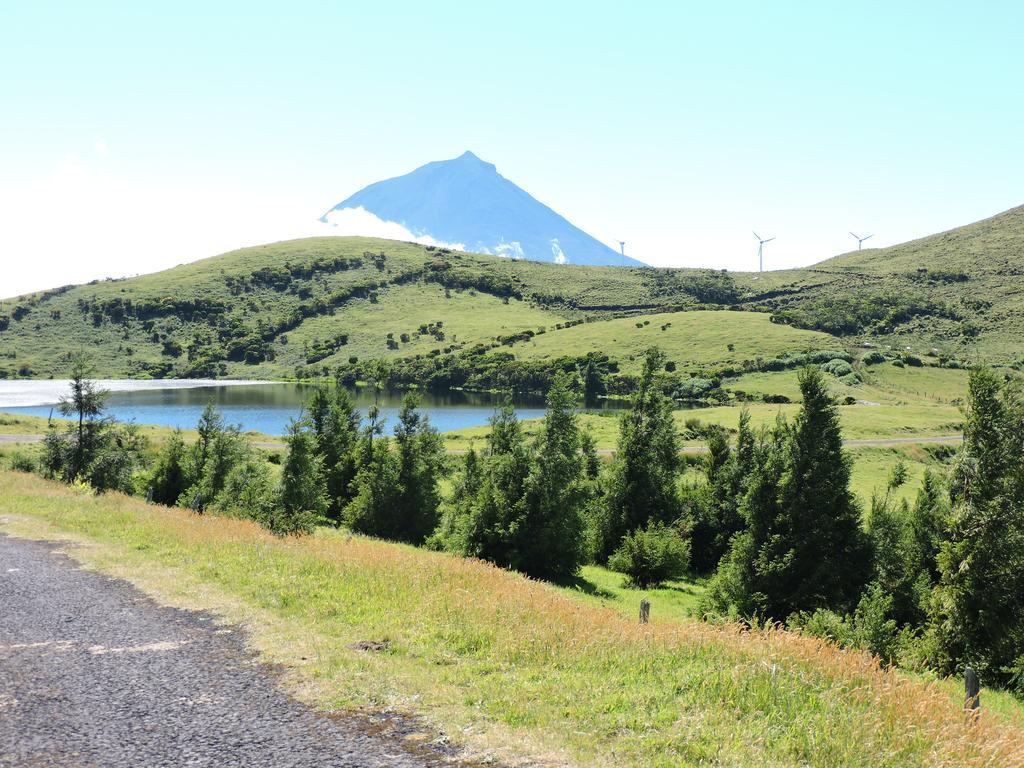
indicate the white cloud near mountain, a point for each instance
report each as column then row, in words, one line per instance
column 359, row 221
column 513, row 250
column 558, row 253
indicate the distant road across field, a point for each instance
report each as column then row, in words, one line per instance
column 873, row 442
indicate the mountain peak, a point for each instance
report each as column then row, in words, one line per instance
column 466, row 203
column 469, row 160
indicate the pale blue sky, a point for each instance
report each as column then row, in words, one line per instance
column 133, row 139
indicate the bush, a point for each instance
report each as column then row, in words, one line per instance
column 869, row 629
column 22, row 462
column 873, row 357
column 837, row 367
column 651, row 555
column 694, row 388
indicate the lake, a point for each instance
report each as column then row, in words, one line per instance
column 261, row 406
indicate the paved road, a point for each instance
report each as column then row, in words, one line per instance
column 93, row 673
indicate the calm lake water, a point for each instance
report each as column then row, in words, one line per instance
column 261, row 406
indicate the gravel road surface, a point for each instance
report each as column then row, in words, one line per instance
column 93, row 673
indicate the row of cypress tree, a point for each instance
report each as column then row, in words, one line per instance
column 937, row 584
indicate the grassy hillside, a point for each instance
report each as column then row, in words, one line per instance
column 262, row 311
column 512, row 668
column 958, row 291
column 319, row 302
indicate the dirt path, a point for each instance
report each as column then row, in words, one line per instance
column 93, row 673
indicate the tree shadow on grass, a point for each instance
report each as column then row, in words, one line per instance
column 587, row 587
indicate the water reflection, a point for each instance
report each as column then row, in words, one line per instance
column 269, row 407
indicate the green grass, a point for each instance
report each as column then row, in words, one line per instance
column 468, row 318
column 512, row 668
column 884, row 383
column 672, row 601
column 692, row 340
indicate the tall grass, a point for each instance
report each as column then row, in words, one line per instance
column 509, row 665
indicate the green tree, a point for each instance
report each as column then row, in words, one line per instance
column 896, row 569
column 929, row 525
column 591, row 461
column 489, row 524
column 803, row 548
column 549, row 537
column 713, row 510
column 218, row 449
column 249, row 492
column 593, row 378
column 85, row 404
column 335, row 425
column 451, row 533
column 643, row 479
column 375, row 499
column 94, row 448
column 421, row 465
column 168, row 480
column 303, row 493
column 980, row 606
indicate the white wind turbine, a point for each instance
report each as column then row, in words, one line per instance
column 760, row 251
column 860, row 240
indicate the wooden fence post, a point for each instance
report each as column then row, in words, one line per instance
column 645, row 611
column 972, row 691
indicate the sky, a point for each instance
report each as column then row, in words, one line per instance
column 136, row 136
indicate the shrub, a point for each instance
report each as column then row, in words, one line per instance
column 651, row 555
column 837, row 367
column 873, row 357
column 22, row 462
column 694, row 388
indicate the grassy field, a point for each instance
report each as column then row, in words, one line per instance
column 467, row 318
column 692, row 340
column 512, row 668
column 886, row 383
column 860, row 422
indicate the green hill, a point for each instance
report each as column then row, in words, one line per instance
column 958, row 291
column 327, row 302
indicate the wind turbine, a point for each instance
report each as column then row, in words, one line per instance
column 622, row 247
column 860, row 240
column 760, row 251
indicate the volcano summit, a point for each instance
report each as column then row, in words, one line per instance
column 466, row 202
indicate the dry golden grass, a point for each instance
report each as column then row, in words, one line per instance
column 513, row 667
